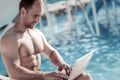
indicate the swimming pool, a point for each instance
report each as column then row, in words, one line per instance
column 105, row 64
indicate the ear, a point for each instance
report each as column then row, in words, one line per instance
column 23, row 11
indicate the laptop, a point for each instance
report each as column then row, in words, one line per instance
column 80, row 65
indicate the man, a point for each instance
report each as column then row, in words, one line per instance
column 22, row 45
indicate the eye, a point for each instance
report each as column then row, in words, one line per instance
column 36, row 16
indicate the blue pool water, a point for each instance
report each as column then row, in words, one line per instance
column 105, row 63
column 54, row 1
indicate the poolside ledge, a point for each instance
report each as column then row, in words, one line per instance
column 61, row 6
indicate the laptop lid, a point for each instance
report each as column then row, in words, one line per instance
column 80, row 65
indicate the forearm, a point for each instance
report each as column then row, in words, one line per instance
column 22, row 73
column 55, row 58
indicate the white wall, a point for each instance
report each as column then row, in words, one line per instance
column 8, row 11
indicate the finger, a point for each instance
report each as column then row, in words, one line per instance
column 62, row 78
column 60, row 69
column 68, row 70
column 58, row 78
column 61, row 75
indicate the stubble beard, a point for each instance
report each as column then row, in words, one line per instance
column 30, row 26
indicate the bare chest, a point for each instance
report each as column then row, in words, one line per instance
column 31, row 44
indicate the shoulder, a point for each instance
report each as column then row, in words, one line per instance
column 8, row 40
column 8, row 36
column 8, row 33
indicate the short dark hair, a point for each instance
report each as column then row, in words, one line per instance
column 26, row 4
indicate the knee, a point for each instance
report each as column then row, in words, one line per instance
column 84, row 76
column 87, row 76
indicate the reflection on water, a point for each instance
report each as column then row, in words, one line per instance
column 105, row 62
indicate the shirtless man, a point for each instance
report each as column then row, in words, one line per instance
column 22, row 45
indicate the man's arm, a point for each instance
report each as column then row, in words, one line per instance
column 11, row 58
column 55, row 57
column 51, row 53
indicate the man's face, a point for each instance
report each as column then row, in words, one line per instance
column 33, row 15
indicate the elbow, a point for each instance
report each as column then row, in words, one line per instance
column 15, row 76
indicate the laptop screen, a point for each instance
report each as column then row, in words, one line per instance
column 80, row 65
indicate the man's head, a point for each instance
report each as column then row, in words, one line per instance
column 30, row 12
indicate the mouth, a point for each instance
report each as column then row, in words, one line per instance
column 33, row 24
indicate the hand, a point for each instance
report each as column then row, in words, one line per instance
column 56, row 75
column 66, row 67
